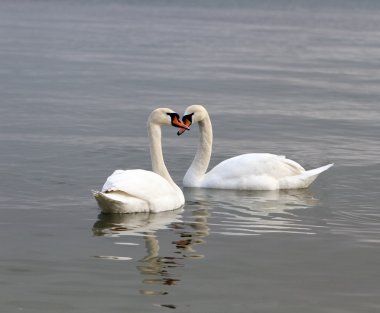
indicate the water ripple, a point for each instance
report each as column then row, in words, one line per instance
column 360, row 224
column 158, row 270
column 142, row 224
column 254, row 213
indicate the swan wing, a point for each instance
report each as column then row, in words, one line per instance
column 145, row 185
column 257, row 164
column 133, row 191
column 258, row 171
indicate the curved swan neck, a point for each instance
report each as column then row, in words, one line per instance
column 202, row 158
column 157, row 158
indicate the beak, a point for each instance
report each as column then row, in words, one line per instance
column 176, row 122
column 187, row 123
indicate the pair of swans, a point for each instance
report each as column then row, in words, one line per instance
column 132, row 191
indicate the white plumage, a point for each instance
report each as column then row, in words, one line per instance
column 133, row 191
column 253, row 171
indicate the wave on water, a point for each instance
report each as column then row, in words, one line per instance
column 240, row 213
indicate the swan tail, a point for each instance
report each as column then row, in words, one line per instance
column 119, row 202
column 303, row 180
column 317, row 171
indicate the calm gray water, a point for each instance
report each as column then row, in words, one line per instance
column 78, row 80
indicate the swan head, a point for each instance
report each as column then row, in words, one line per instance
column 193, row 114
column 166, row 116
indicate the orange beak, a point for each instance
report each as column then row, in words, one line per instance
column 178, row 123
column 182, row 130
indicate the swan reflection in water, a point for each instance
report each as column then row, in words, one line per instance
column 220, row 212
column 156, row 268
column 241, row 212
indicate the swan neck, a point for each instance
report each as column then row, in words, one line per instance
column 201, row 160
column 156, row 155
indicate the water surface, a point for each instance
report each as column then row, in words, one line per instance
column 78, row 80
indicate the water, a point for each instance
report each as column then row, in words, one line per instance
column 78, row 80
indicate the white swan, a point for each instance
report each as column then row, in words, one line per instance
column 131, row 191
column 253, row 171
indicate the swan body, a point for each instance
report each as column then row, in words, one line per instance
column 133, row 191
column 253, row 171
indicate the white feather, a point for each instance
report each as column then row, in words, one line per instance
column 253, row 171
column 132, row 191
